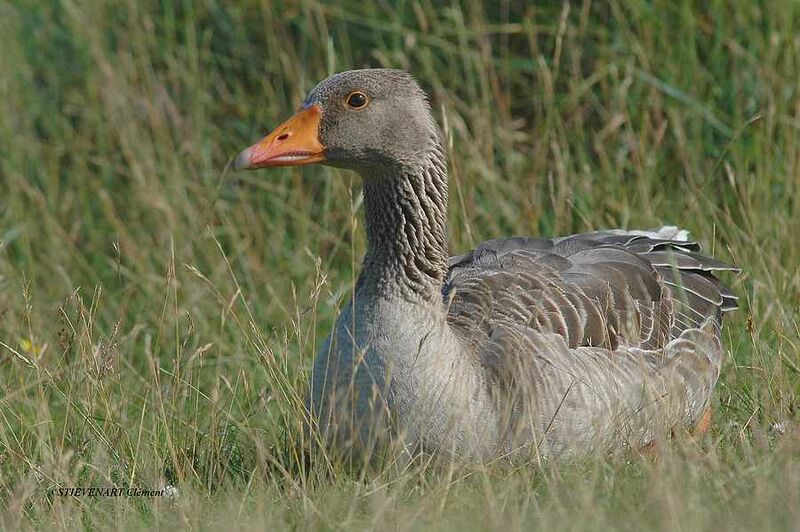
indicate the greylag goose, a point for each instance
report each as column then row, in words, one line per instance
column 544, row 347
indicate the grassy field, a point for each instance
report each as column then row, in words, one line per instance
column 159, row 314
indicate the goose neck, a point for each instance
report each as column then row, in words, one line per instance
column 406, row 224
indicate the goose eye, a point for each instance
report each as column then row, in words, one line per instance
column 357, row 100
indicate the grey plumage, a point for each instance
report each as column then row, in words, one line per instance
column 590, row 321
column 520, row 347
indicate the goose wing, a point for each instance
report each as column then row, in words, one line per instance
column 574, row 329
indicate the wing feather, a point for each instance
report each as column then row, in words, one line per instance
column 593, row 317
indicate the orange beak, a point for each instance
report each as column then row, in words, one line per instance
column 293, row 143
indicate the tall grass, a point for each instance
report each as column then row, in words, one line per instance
column 159, row 315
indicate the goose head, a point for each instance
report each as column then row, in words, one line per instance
column 364, row 120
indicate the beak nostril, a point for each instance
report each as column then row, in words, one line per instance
column 283, row 137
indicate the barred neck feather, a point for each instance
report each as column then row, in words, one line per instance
column 406, row 223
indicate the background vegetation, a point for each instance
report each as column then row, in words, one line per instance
column 159, row 315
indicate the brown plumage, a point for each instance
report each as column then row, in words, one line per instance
column 521, row 347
